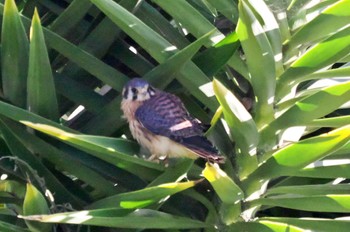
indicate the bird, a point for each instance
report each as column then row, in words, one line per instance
column 159, row 121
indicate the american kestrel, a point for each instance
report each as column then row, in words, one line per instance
column 160, row 123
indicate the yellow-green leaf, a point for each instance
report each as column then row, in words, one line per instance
column 224, row 186
column 227, row 190
column 312, row 224
column 260, row 60
column 34, row 204
column 242, row 128
column 142, row 198
column 316, row 203
column 322, row 55
column 118, row 152
column 142, row 218
column 290, row 159
column 309, row 108
column 331, row 19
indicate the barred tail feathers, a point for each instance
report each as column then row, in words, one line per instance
column 203, row 148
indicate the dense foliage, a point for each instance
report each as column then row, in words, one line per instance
column 271, row 77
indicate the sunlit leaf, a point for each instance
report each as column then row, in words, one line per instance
column 329, row 21
column 174, row 172
column 264, row 226
column 65, row 161
column 316, row 203
column 18, row 114
column 142, row 198
column 294, row 157
column 35, row 203
column 224, row 186
column 331, row 122
column 309, row 190
column 146, row 219
column 260, row 61
column 272, row 30
column 116, row 151
column 242, row 127
column 330, row 73
column 317, row 57
column 310, row 108
column 314, row 224
column 328, row 169
column 18, row 149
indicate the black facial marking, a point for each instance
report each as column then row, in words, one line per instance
column 134, row 93
column 151, row 91
column 134, row 90
column 126, row 93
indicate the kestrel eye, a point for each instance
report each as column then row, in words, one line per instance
column 134, row 90
column 134, row 93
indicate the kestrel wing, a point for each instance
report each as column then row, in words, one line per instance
column 164, row 114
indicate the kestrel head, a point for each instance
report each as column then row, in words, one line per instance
column 138, row 89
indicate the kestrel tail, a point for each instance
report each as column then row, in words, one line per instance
column 160, row 123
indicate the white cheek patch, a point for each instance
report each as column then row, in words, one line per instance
column 143, row 97
column 152, row 93
column 143, row 94
column 130, row 95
